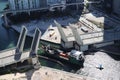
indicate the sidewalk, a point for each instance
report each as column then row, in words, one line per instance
column 110, row 63
column 44, row 73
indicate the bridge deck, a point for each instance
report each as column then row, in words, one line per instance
column 11, row 57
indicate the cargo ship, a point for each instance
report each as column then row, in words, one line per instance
column 73, row 57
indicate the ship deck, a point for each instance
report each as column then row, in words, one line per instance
column 52, row 35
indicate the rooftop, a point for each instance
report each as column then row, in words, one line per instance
column 87, row 32
column 84, row 32
column 84, row 26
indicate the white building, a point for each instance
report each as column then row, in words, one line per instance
column 37, row 2
column 30, row 4
column 12, row 4
column 20, row 2
column 25, row 4
column 80, row 36
column 51, row 2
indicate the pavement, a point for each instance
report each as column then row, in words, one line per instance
column 109, row 62
column 44, row 73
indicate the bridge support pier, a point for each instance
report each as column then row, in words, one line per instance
column 5, row 20
column 117, row 42
column 34, row 62
column 77, row 7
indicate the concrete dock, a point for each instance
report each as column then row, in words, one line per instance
column 44, row 73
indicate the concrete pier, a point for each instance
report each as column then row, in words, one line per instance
column 5, row 20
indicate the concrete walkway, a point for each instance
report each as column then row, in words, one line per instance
column 11, row 57
column 110, row 63
column 44, row 73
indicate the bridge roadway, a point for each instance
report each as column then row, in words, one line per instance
column 10, row 57
column 17, row 54
column 48, row 7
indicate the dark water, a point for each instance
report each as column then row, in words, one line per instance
column 8, row 37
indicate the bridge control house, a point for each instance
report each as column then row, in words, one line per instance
column 80, row 36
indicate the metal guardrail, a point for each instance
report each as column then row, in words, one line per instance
column 110, row 34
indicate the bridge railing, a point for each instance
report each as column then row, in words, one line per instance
column 7, row 49
column 108, row 35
